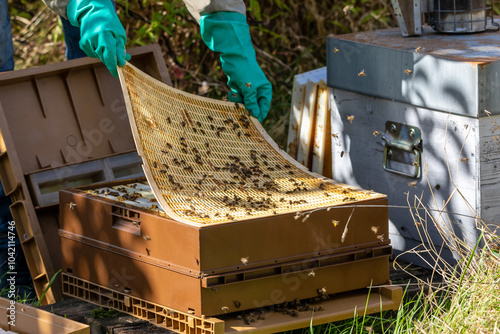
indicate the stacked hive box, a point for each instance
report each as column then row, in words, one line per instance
column 237, row 234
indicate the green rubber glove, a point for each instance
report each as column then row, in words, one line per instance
column 102, row 34
column 229, row 34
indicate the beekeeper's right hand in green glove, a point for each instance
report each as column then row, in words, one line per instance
column 229, row 34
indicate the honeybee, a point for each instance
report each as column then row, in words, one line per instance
column 408, row 71
column 362, row 73
column 335, row 50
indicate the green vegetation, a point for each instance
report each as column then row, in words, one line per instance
column 289, row 37
column 104, row 313
column 39, row 302
column 25, row 294
column 467, row 302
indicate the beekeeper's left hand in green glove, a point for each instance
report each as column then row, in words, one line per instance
column 102, row 34
column 223, row 28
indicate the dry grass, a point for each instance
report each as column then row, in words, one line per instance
column 37, row 38
column 468, row 300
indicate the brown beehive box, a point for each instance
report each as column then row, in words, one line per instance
column 243, row 225
column 24, row 319
column 62, row 125
column 210, row 269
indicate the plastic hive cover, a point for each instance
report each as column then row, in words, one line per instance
column 208, row 162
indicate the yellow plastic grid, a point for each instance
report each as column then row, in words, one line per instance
column 208, row 162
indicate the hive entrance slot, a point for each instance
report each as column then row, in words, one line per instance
column 126, row 220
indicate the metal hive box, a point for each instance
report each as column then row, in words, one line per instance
column 443, row 89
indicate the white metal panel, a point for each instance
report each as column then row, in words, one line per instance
column 450, row 162
column 442, row 75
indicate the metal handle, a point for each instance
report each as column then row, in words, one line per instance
column 403, row 146
column 417, row 164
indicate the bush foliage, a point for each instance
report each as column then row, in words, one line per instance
column 289, row 37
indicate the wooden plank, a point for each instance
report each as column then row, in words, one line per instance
column 304, row 153
column 327, row 161
column 298, row 96
column 489, row 163
column 320, row 132
column 297, row 107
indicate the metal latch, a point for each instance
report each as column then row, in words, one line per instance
column 403, row 149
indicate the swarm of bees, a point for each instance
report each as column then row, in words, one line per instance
column 291, row 308
column 250, row 179
column 213, row 165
